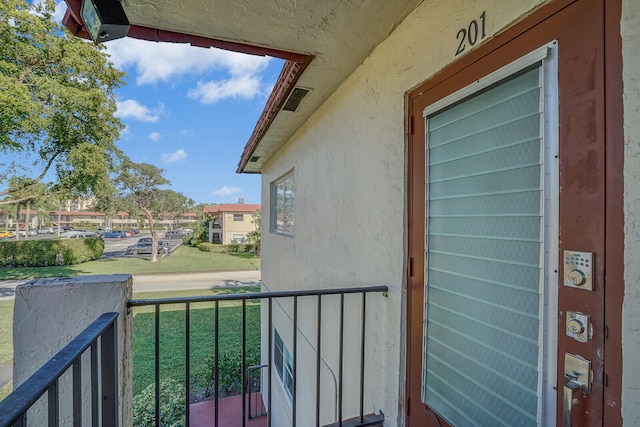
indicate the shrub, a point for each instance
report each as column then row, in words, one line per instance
column 222, row 249
column 210, row 247
column 229, row 372
column 43, row 253
column 172, row 405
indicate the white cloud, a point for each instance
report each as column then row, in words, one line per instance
column 155, row 136
column 161, row 62
column 175, row 156
column 246, row 87
column 167, row 62
column 226, row 191
column 132, row 108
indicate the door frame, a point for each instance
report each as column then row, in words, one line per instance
column 610, row 251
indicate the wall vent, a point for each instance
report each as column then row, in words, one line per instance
column 295, row 99
column 254, row 159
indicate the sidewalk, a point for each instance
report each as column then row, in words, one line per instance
column 168, row 282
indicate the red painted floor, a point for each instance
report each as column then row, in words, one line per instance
column 229, row 414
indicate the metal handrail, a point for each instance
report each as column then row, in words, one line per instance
column 14, row 407
column 256, row 295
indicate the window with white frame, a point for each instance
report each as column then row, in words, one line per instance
column 283, row 196
column 284, row 364
column 491, row 212
column 238, row 217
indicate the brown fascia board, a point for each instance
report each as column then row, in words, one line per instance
column 291, row 72
column 293, row 68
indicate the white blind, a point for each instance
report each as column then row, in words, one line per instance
column 484, row 265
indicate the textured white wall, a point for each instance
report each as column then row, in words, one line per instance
column 630, row 29
column 49, row 313
column 349, row 161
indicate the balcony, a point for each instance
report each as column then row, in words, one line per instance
column 312, row 371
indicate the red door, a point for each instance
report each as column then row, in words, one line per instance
column 579, row 29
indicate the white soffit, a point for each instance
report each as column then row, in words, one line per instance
column 339, row 33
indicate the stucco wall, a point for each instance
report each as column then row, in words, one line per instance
column 349, row 162
column 630, row 29
column 49, row 313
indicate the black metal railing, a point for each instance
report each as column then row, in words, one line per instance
column 270, row 297
column 104, row 377
column 254, row 390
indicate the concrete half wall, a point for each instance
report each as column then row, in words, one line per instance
column 49, row 313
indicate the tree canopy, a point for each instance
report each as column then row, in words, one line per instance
column 57, row 105
column 140, row 187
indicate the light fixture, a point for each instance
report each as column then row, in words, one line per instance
column 104, row 19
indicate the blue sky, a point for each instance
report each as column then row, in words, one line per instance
column 190, row 111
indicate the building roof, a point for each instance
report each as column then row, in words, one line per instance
column 231, row 207
column 322, row 42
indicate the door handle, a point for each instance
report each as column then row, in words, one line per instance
column 577, row 377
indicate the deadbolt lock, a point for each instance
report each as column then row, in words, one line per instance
column 578, row 269
column 578, row 326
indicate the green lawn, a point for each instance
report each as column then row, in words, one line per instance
column 202, row 327
column 6, row 332
column 172, row 335
column 185, row 259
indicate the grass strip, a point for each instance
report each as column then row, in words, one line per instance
column 6, row 332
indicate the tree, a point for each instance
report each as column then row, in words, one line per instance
column 254, row 236
column 172, row 203
column 56, row 105
column 26, row 196
column 140, row 188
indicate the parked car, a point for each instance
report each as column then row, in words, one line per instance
column 115, row 234
column 145, row 248
column 46, row 230
column 67, row 228
column 177, row 234
column 135, row 230
column 25, row 233
column 149, row 240
column 103, row 230
column 6, row 234
column 74, row 234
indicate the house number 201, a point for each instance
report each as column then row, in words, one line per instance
column 471, row 35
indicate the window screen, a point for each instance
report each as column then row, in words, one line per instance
column 484, row 243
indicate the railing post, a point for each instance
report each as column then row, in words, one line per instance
column 157, row 360
column 340, row 361
column 244, row 361
column 362, row 351
column 318, row 359
column 187, row 362
column 52, row 401
column 94, row 384
column 77, row 394
column 270, row 373
column 216, row 363
column 295, row 358
column 108, row 359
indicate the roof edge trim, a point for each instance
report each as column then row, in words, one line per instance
column 291, row 72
